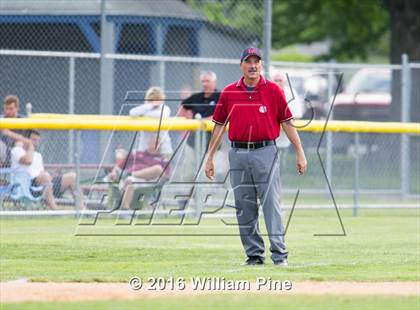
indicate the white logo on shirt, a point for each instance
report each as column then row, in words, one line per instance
column 263, row 109
column 212, row 102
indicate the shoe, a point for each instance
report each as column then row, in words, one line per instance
column 282, row 262
column 255, row 260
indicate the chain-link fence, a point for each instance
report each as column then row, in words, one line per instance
column 381, row 175
column 366, row 170
column 51, row 57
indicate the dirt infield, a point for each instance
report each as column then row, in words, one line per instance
column 11, row 292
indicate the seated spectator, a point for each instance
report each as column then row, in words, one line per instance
column 137, row 167
column 154, row 107
column 9, row 137
column 24, row 157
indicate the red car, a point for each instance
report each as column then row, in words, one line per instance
column 366, row 98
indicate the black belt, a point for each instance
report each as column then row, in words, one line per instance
column 252, row 145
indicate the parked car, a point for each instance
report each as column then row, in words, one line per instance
column 367, row 97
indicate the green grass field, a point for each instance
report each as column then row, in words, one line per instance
column 381, row 245
column 252, row 301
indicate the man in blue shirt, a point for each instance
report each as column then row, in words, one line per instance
column 9, row 137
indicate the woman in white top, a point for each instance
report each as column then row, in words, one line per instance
column 154, row 107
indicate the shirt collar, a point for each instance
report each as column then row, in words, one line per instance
column 261, row 82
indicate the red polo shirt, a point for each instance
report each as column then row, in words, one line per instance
column 252, row 116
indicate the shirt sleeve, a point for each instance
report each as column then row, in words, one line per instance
column 17, row 153
column 220, row 115
column 141, row 109
column 187, row 103
column 41, row 162
column 166, row 111
column 149, row 110
column 284, row 113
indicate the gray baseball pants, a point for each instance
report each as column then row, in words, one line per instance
column 255, row 174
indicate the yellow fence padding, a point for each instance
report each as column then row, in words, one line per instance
column 129, row 123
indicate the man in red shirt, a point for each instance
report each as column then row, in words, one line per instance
column 255, row 108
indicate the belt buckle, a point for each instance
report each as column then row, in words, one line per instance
column 251, row 145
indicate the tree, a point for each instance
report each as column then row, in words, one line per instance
column 405, row 29
column 352, row 27
column 405, row 34
column 247, row 15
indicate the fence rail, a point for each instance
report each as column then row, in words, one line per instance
column 127, row 123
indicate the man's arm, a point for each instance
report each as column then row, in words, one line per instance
column 291, row 132
column 215, row 140
column 15, row 136
column 184, row 112
column 141, row 109
column 185, row 108
column 29, row 154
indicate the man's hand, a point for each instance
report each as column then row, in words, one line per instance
column 216, row 137
column 210, row 169
column 301, row 163
column 26, row 142
column 29, row 155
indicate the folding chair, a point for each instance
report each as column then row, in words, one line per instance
column 22, row 187
column 5, row 184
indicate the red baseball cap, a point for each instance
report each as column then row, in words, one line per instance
column 250, row 51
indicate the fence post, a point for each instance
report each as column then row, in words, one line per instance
column 77, row 161
column 329, row 141
column 162, row 68
column 71, row 107
column 160, row 37
column 356, row 184
column 106, row 103
column 204, row 141
column 405, row 117
column 203, row 152
column 198, row 154
column 268, row 5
